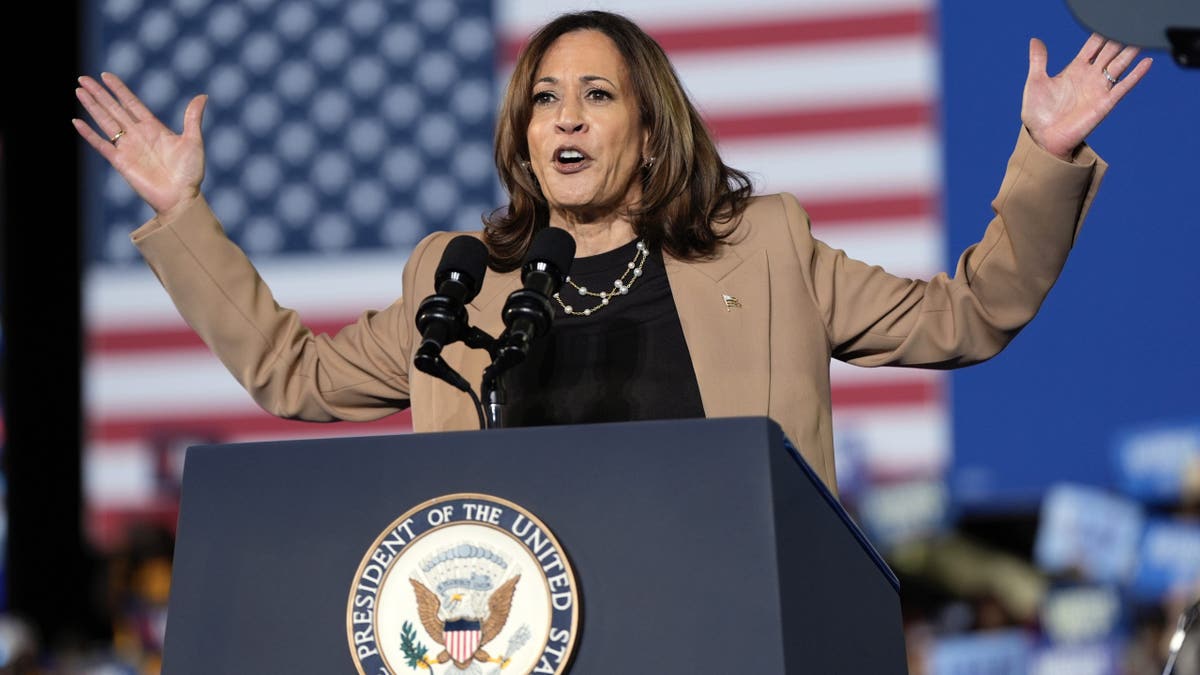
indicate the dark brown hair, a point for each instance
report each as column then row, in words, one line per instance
column 686, row 192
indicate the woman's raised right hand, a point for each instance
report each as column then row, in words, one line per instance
column 163, row 167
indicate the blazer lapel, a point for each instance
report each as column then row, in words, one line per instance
column 487, row 305
column 724, row 308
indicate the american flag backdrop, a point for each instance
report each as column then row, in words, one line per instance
column 339, row 133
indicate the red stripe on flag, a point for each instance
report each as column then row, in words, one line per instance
column 886, row 393
column 220, row 428
column 120, row 341
column 765, row 33
column 908, row 114
column 806, row 31
column 897, row 206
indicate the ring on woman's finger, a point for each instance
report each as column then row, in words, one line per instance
column 117, row 136
column 1111, row 80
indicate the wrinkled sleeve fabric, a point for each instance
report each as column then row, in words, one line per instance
column 359, row 374
column 874, row 318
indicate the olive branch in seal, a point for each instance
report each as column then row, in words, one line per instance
column 414, row 652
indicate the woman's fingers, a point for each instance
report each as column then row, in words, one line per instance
column 1126, row 83
column 102, row 145
column 1090, row 49
column 100, row 113
column 129, row 101
column 1121, row 61
column 109, row 107
column 1107, row 52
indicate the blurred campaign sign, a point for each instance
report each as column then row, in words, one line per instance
column 1088, row 532
column 1084, row 614
column 1006, row 652
column 1095, row 659
column 1168, row 561
column 1158, row 463
column 894, row 514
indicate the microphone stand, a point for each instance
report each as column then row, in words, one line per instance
column 489, row 404
column 494, row 398
column 491, row 389
column 1186, row 619
column 506, row 352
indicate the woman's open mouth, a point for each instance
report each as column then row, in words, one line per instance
column 569, row 159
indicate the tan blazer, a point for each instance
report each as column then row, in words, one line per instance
column 801, row 304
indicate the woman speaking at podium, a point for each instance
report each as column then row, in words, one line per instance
column 688, row 295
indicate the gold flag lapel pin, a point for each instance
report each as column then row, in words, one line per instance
column 731, row 302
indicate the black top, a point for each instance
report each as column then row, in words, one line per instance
column 627, row 361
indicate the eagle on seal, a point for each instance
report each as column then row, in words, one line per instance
column 463, row 636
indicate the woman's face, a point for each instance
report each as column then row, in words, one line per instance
column 585, row 138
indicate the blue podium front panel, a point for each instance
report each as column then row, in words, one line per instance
column 674, row 532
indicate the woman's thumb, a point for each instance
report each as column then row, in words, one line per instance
column 193, row 115
column 1037, row 56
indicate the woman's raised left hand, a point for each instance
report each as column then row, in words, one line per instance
column 1061, row 111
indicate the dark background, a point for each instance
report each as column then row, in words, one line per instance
column 51, row 578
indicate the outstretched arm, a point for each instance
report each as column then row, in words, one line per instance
column 1061, row 111
column 163, row 167
column 359, row 374
column 1001, row 282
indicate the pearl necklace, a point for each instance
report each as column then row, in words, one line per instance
column 633, row 270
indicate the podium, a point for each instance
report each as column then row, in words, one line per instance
column 697, row 546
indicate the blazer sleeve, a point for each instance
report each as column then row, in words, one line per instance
column 874, row 318
column 359, row 374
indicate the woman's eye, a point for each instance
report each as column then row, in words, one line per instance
column 542, row 97
column 599, row 95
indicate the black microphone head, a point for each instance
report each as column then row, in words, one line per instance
column 465, row 260
column 552, row 251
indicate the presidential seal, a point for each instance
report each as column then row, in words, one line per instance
column 465, row 583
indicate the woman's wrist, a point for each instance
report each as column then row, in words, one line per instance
column 172, row 214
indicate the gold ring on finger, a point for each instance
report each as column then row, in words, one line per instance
column 117, row 136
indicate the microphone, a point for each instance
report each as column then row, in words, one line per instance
column 442, row 317
column 528, row 313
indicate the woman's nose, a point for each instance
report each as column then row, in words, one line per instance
column 570, row 118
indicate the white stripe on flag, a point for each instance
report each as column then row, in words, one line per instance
column 519, row 17
column 786, row 78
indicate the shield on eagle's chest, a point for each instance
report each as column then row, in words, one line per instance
column 462, row 639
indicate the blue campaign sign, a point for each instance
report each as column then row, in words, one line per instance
column 1005, row 652
column 1169, row 560
column 1094, row 659
column 1078, row 615
column 1114, row 344
column 1088, row 531
column 1157, row 462
column 893, row 514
